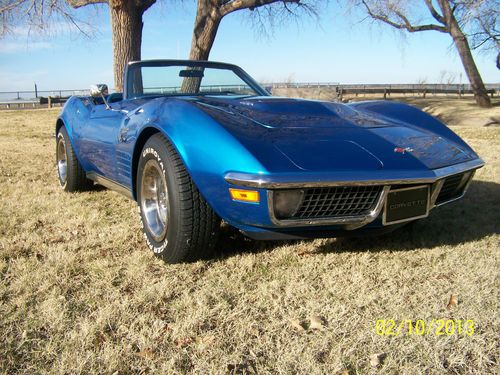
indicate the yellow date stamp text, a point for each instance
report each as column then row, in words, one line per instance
column 420, row 327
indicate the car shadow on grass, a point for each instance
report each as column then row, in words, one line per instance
column 472, row 218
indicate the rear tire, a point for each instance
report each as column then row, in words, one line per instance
column 71, row 174
column 178, row 223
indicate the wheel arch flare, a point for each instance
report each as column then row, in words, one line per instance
column 208, row 152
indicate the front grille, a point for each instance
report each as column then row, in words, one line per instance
column 453, row 187
column 339, row 201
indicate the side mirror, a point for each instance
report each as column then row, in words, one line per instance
column 98, row 90
column 101, row 91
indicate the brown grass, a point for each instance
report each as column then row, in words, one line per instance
column 80, row 293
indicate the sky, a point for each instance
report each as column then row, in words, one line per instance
column 335, row 48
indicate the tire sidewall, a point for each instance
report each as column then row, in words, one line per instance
column 154, row 149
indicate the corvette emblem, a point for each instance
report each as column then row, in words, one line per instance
column 403, row 150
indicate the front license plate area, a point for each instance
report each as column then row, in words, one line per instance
column 406, row 204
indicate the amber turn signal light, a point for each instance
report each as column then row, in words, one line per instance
column 240, row 195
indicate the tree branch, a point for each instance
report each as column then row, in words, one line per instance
column 438, row 17
column 145, row 4
column 486, row 40
column 11, row 6
column 235, row 5
column 406, row 25
column 81, row 3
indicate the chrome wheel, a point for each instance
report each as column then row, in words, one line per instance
column 154, row 199
column 62, row 163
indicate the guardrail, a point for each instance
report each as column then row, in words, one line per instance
column 388, row 89
column 423, row 91
column 454, row 87
column 37, row 99
column 48, row 102
column 12, row 96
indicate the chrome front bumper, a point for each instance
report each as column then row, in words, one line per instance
column 434, row 178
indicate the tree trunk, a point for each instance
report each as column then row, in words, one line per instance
column 460, row 41
column 126, row 26
column 206, row 25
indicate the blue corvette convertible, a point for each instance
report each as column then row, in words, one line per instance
column 194, row 142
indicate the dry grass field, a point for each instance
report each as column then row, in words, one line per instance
column 81, row 294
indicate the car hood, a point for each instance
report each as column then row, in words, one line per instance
column 275, row 112
column 326, row 136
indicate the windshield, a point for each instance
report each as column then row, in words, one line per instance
column 197, row 78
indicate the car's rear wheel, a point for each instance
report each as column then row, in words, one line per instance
column 71, row 174
column 178, row 223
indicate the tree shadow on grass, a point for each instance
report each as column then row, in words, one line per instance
column 472, row 218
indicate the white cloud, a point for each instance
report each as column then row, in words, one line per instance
column 25, row 46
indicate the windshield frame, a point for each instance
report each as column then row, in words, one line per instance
column 131, row 66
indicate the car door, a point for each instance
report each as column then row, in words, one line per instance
column 99, row 137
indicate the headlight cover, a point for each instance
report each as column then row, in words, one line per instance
column 286, row 203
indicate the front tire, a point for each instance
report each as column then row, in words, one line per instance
column 71, row 174
column 178, row 223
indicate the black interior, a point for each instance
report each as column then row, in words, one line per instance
column 115, row 97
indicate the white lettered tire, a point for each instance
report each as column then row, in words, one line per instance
column 178, row 223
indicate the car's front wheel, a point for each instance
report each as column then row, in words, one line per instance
column 71, row 174
column 178, row 223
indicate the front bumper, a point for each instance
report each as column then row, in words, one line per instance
column 346, row 178
column 385, row 179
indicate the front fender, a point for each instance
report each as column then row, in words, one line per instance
column 73, row 114
column 411, row 115
column 208, row 151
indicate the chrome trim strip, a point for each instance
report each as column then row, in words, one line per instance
column 110, row 184
column 351, row 222
column 384, row 219
column 267, row 182
column 437, row 186
column 459, row 168
column 374, row 213
column 463, row 193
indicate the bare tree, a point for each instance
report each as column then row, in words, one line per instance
column 450, row 16
column 482, row 15
column 126, row 26
column 209, row 14
column 422, row 81
column 38, row 16
column 485, row 30
column 125, row 16
column 446, row 77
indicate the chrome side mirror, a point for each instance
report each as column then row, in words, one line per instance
column 99, row 91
